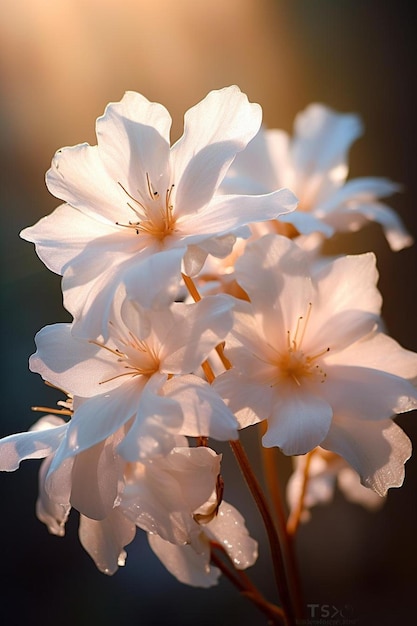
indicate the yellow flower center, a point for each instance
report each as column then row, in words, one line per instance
column 137, row 357
column 294, row 364
column 155, row 217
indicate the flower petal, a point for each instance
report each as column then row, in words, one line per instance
column 99, row 417
column 227, row 213
column 155, row 425
column 299, row 423
column 368, row 394
column 104, row 540
column 53, row 514
column 184, row 563
column 205, row 414
column 95, row 479
column 250, row 401
column 376, row 450
column 78, row 177
column 73, row 364
column 30, row 445
column 215, row 129
column 133, row 143
column 229, row 530
column 200, row 327
column 63, row 235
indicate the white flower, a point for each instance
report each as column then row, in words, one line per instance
column 308, row 355
column 125, row 380
column 313, row 164
column 132, row 196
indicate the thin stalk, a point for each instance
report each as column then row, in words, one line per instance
column 295, row 517
column 243, row 583
column 276, row 553
column 269, row 456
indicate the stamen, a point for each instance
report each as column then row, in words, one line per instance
column 155, row 221
column 297, row 328
column 168, row 198
column 47, row 409
column 132, row 198
column 152, row 193
column 316, row 356
column 131, row 374
column 310, row 306
column 115, row 351
column 294, row 363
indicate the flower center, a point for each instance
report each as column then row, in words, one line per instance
column 135, row 356
column 294, row 364
column 154, row 214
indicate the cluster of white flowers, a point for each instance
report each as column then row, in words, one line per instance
column 201, row 305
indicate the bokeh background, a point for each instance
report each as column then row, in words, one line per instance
column 60, row 63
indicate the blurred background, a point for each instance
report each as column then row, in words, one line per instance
column 61, row 62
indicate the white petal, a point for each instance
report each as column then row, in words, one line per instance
column 104, row 540
column 368, row 394
column 349, row 283
column 251, row 402
column 167, row 490
column 200, row 328
column 30, row 445
column 78, row 177
column 322, row 138
column 160, row 277
column 378, row 351
column 156, row 422
column 307, row 223
column 205, row 414
column 133, row 143
column 299, row 423
column 226, row 213
column 91, row 281
column 53, row 514
column 229, row 530
column 376, row 450
column 320, row 485
column 282, row 289
column 263, row 166
column 95, row 479
column 76, row 365
column 63, row 235
column 362, row 189
column 99, row 417
column 184, row 563
column 350, row 485
column 215, row 129
column 195, row 470
column 351, row 217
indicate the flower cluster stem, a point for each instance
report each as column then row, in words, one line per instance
column 269, row 458
column 295, row 518
column 243, row 583
column 276, row 552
